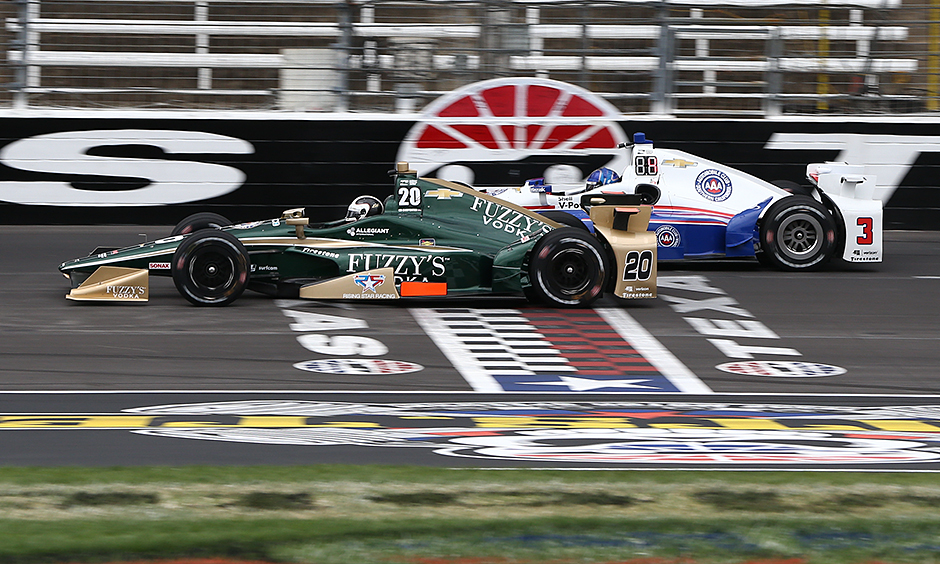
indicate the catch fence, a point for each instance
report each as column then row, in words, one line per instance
column 666, row 57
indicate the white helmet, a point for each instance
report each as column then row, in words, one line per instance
column 364, row 206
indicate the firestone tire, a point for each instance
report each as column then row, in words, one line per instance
column 797, row 233
column 211, row 268
column 567, row 268
column 201, row 220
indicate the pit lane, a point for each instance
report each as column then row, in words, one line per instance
column 857, row 335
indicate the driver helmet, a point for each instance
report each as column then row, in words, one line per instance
column 601, row 177
column 364, row 206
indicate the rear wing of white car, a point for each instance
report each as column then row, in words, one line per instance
column 852, row 192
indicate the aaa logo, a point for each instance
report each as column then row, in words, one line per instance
column 713, row 184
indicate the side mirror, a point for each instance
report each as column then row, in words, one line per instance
column 295, row 217
column 292, row 213
column 649, row 193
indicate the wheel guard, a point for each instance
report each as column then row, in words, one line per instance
column 742, row 231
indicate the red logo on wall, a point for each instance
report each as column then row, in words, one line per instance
column 502, row 132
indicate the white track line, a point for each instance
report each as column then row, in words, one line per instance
column 653, row 351
column 441, row 335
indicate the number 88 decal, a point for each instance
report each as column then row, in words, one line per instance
column 639, row 266
column 646, row 166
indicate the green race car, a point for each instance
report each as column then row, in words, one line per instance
column 431, row 238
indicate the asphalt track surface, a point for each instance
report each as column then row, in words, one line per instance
column 733, row 366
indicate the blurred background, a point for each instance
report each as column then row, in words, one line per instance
column 735, row 58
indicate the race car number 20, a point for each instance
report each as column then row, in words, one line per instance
column 639, row 266
column 409, row 195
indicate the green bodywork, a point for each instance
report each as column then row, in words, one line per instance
column 430, row 231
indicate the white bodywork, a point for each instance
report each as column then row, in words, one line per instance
column 700, row 198
column 853, row 194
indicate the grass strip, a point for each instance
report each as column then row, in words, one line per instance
column 417, row 515
column 522, row 540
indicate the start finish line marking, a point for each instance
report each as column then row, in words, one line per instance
column 550, row 350
column 651, row 349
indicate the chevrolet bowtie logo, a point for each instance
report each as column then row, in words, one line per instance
column 443, row 194
column 681, row 163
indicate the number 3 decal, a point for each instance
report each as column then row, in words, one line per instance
column 867, row 237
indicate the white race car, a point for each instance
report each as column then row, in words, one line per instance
column 704, row 209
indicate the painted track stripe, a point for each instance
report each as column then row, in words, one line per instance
column 478, row 367
column 651, row 349
column 475, row 373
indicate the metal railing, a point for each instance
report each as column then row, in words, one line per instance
column 661, row 57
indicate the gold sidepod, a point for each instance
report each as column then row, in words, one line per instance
column 625, row 228
column 114, row 284
column 376, row 284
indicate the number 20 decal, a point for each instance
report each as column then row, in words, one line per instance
column 867, row 237
column 639, row 266
column 409, row 197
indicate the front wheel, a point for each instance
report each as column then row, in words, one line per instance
column 797, row 233
column 567, row 268
column 210, row 268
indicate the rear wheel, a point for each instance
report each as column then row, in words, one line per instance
column 210, row 267
column 568, row 268
column 201, row 220
column 797, row 233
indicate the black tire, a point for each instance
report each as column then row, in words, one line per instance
column 763, row 258
column 564, row 218
column 797, row 233
column 567, row 268
column 201, row 220
column 211, row 268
